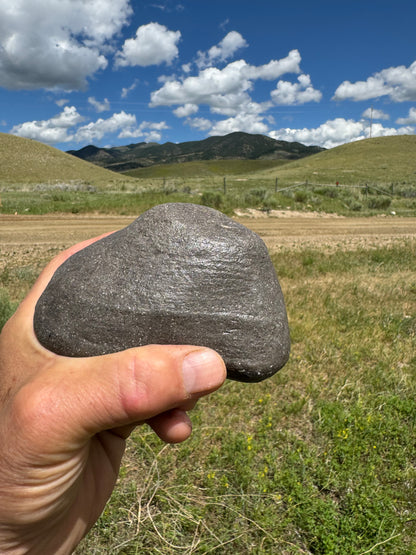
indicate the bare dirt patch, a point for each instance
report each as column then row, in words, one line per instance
column 330, row 233
column 35, row 239
column 256, row 213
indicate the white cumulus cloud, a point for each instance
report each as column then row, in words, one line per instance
column 66, row 127
column 125, row 91
column 211, row 84
column 248, row 123
column 275, row 68
column 372, row 113
column 61, row 102
column 102, row 106
column 410, row 119
column 186, row 110
column 51, row 131
column 336, row 132
column 56, row 43
column 227, row 91
column 94, row 131
column 223, row 51
column 398, row 83
column 150, row 131
column 202, row 124
column 291, row 94
column 154, row 44
column 203, row 88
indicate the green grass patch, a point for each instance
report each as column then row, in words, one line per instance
column 81, row 202
column 205, row 168
column 226, row 196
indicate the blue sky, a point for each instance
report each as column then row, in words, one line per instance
column 113, row 72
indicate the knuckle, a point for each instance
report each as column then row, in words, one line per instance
column 152, row 384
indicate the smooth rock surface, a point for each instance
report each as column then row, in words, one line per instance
column 179, row 274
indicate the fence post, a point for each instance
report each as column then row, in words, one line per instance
column 225, row 185
column 275, row 184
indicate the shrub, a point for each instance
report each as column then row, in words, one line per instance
column 258, row 194
column 379, row 203
column 330, row 192
column 270, row 203
column 212, row 199
column 301, row 196
column 353, row 204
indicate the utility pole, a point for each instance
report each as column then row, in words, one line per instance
column 371, row 121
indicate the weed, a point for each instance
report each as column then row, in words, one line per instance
column 380, row 203
column 212, row 199
column 301, row 196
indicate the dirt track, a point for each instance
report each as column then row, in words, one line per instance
column 24, row 239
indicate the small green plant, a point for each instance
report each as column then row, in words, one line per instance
column 379, row 202
column 301, row 196
column 270, row 203
column 353, row 204
column 212, row 199
column 258, row 194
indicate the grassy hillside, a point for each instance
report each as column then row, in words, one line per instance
column 206, row 168
column 383, row 160
column 23, row 161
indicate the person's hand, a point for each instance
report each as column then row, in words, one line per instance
column 64, row 422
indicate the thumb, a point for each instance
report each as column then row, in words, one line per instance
column 75, row 398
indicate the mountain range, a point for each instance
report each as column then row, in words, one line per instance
column 232, row 146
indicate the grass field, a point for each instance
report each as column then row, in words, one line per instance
column 234, row 195
column 319, row 459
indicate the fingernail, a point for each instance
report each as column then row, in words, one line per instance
column 203, row 371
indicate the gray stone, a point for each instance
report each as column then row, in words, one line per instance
column 179, row 274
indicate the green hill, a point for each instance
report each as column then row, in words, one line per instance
column 24, row 161
column 205, row 168
column 382, row 160
column 234, row 146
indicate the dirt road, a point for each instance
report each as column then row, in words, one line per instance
column 26, row 238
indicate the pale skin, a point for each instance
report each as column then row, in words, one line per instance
column 64, row 424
